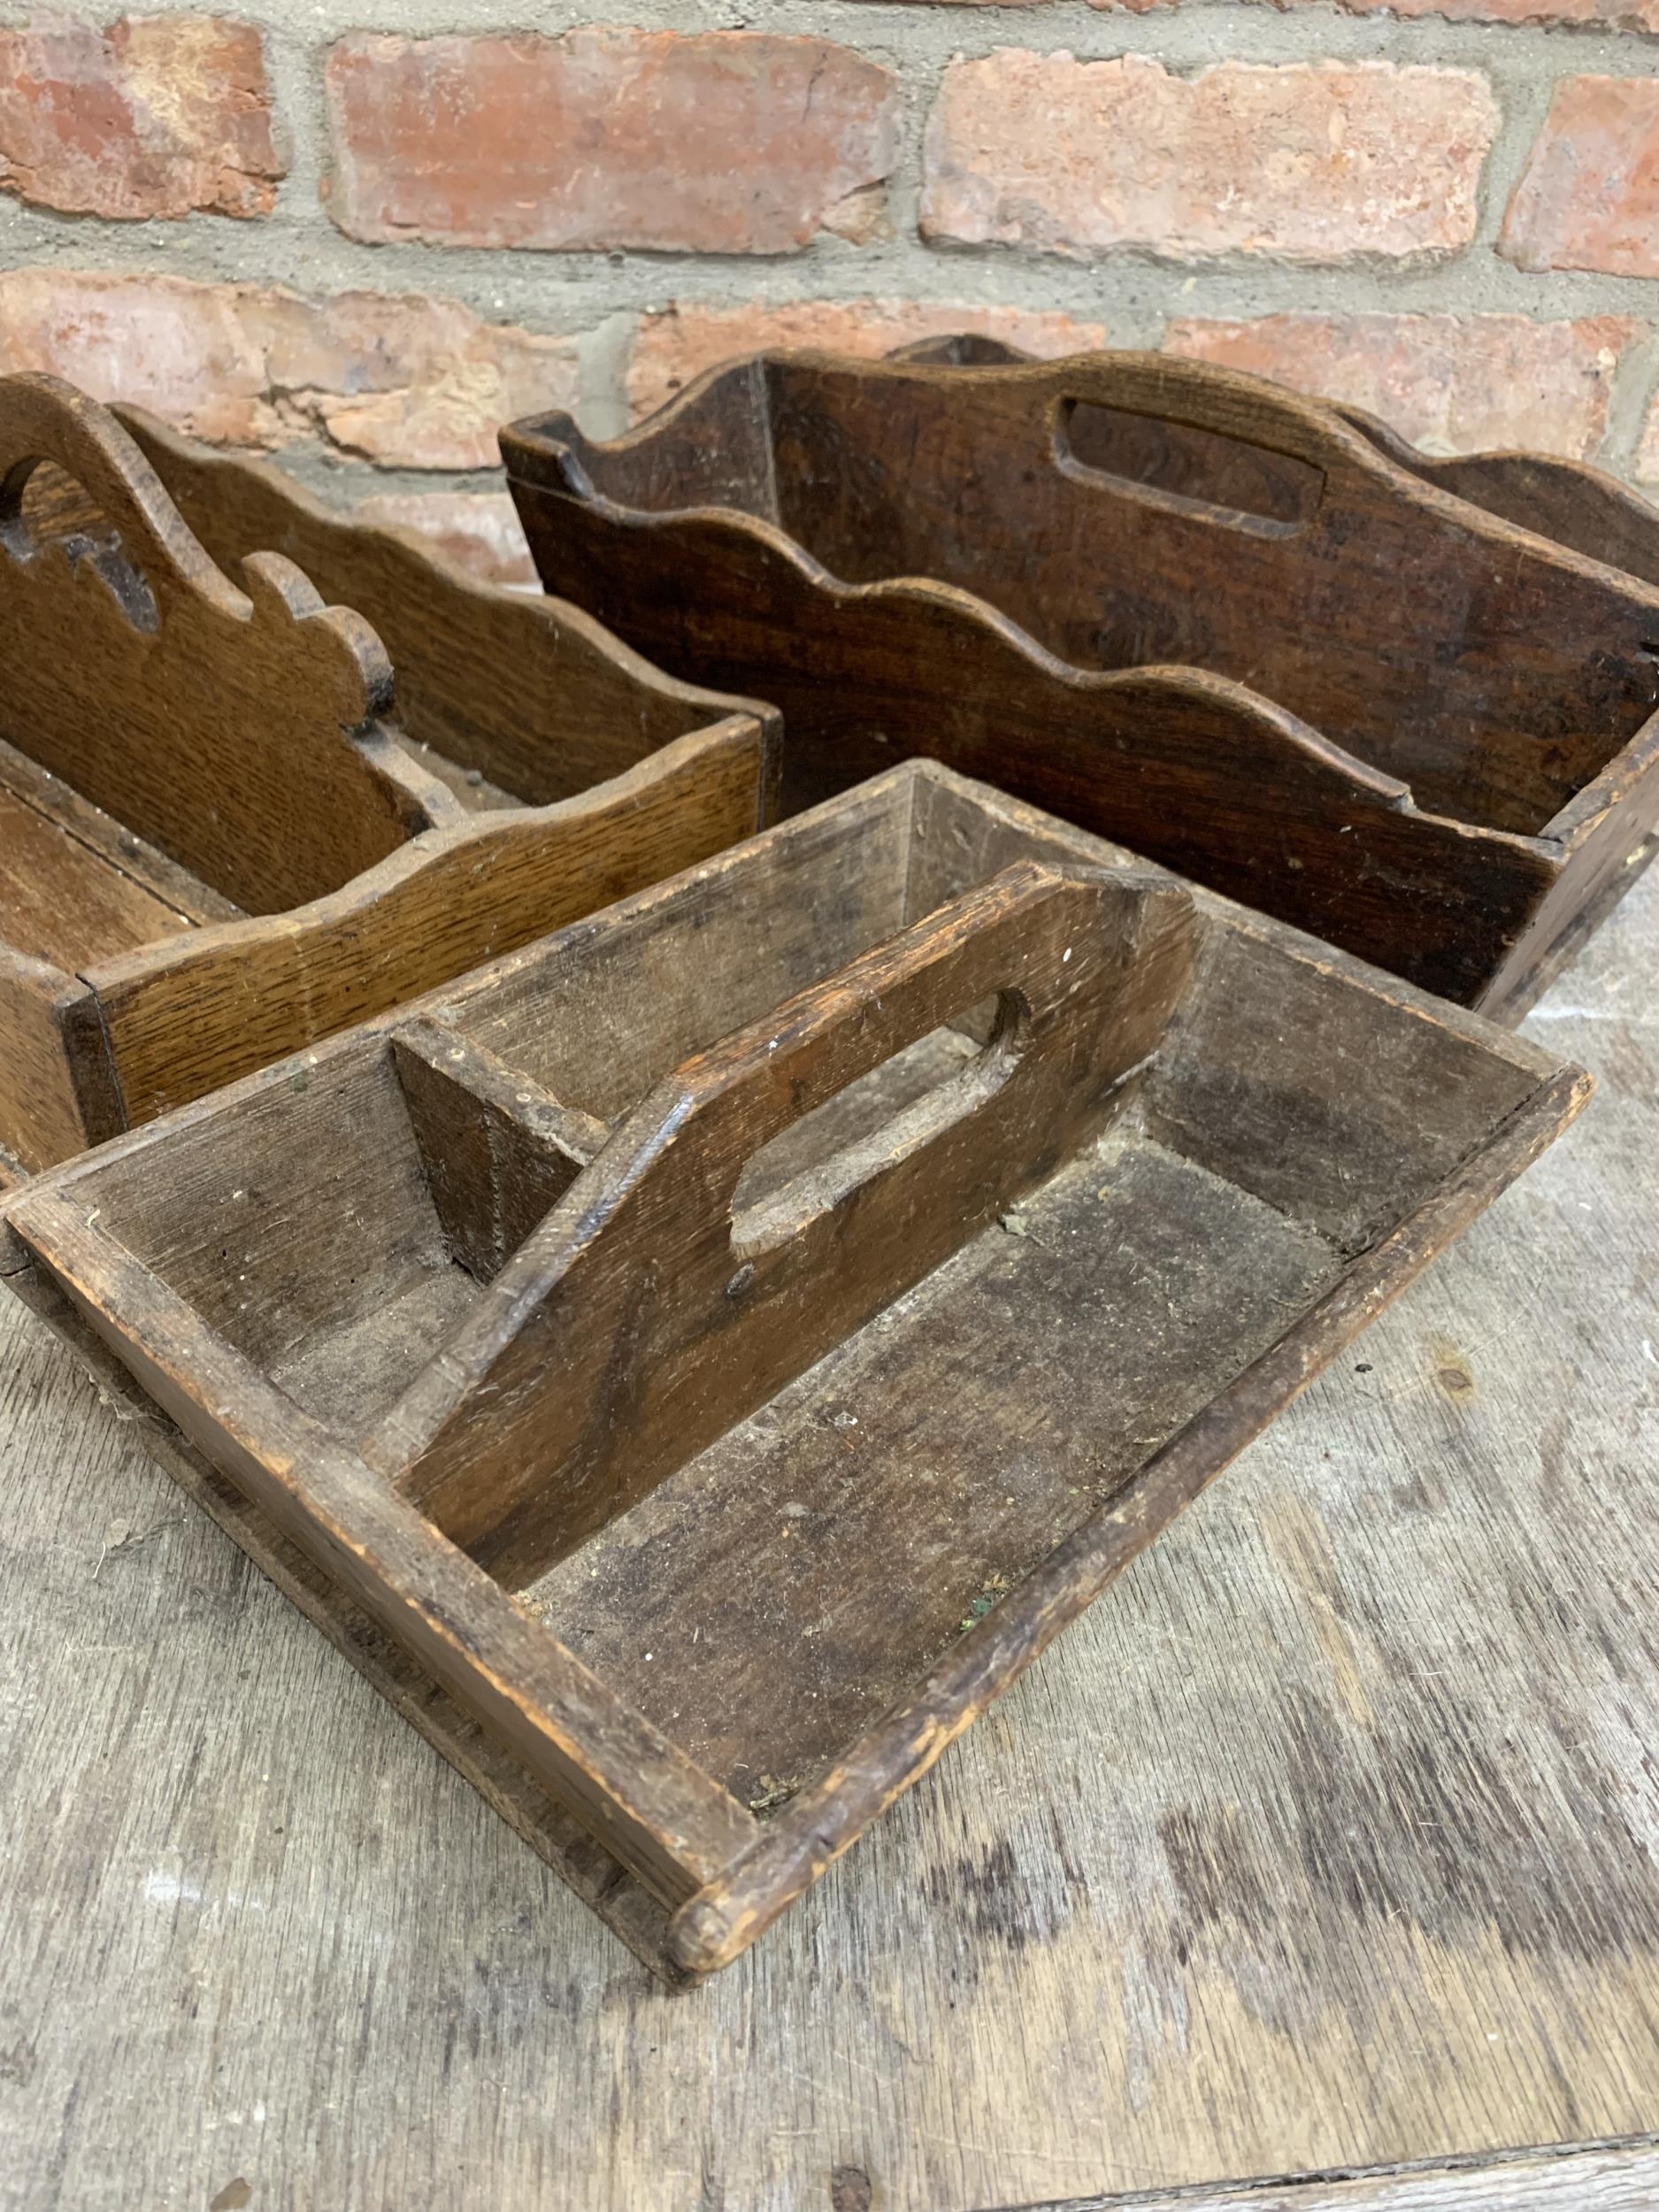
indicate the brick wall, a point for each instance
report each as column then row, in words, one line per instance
column 358, row 234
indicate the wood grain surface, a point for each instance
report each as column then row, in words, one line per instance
column 1324, row 1847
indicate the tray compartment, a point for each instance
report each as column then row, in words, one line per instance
column 304, row 1230
column 218, row 843
column 759, row 1543
column 853, row 1525
column 1176, row 605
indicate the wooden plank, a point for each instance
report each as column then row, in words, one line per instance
column 1324, row 1843
column 185, row 896
column 57, row 1092
column 61, row 901
column 1621, row 2178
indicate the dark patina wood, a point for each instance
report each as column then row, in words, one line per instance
column 218, row 838
column 1179, row 606
column 720, row 1346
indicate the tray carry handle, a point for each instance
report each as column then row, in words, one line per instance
column 238, row 731
column 1012, row 942
column 648, row 1316
column 42, row 418
column 1244, row 411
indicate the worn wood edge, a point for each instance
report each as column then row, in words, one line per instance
column 426, row 802
column 489, row 1080
column 795, row 1848
column 507, row 1660
column 1510, row 1003
column 48, row 418
column 1444, row 471
column 597, row 1878
column 455, row 1390
column 543, row 608
column 1528, row 2177
column 1595, row 800
column 92, row 1088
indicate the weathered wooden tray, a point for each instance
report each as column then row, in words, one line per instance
column 695, row 1362
column 215, row 843
column 1179, row 606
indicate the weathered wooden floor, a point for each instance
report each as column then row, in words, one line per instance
column 1328, row 1841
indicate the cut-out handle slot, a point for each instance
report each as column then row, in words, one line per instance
column 44, row 420
column 235, row 730
column 874, row 1123
column 1212, row 474
column 1162, row 431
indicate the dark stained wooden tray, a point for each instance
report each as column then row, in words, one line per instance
column 695, row 1362
column 220, row 836
column 1180, row 607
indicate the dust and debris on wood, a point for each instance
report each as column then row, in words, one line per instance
column 993, row 1587
column 771, row 1791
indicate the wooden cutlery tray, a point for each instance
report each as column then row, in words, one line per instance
column 219, row 839
column 1178, row 606
column 695, row 1362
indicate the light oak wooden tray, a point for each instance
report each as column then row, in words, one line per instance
column 220, row 836
column 695, row 1362
column 1179, row 606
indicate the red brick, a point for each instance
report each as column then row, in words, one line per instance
column 154, row 117
column 678, row 343
column 1588, row 197
column 726, row 141
column 1314, row 162
column 1450, row 383
column 480, row 530
column 405, row 381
